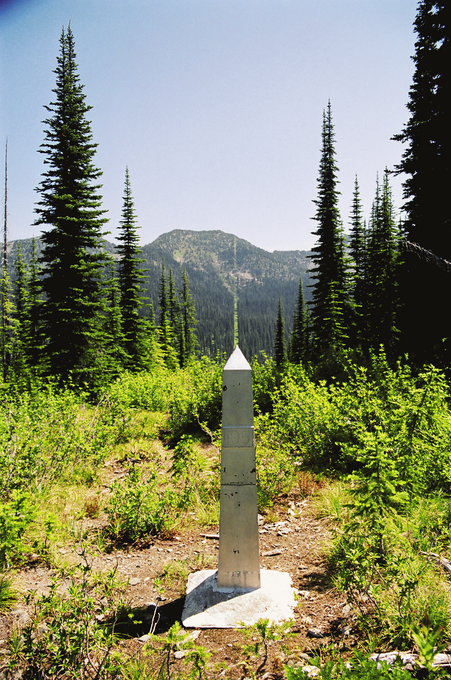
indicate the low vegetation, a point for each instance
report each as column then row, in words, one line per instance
column 375, row 447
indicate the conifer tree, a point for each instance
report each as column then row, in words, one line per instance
column 426, row 327
column 357, row 251
column 382, row 295
column 329, row 295
column 299, row 335
column 131, row 276
column 115, row 342
column 8, row 325
column 33, row 340
column 188, row 321
column 280, row 352
column 73, row 260
column 21, row 286
column 166, row 331
column 22, row 304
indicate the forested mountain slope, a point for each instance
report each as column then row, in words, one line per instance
column 221, row 268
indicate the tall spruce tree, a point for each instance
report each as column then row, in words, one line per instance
column 131, row 276
column 280, row 352
column 7, row 326
column 425, row 325
column 329, row 299
column 115, row 342
column 382, row 295
column 165, row 328
column 73, row 310
column 188, row 322
column 33, row 340
column 22, row 305
column 357, row 252
column 299, row 335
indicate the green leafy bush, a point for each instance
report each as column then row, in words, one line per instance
column 16, row 515
column 140, row 505
column 8, row 595
column 71, row 634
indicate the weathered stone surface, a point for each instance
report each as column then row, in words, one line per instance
column 207, row 606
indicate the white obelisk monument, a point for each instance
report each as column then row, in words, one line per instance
column 239, row 560
column 237, row 592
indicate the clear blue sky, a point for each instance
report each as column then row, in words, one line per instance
column 215, row 106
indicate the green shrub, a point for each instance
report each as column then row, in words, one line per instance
column 140, row 505
column 8, row 595
column 16, row 515
column 70, row 634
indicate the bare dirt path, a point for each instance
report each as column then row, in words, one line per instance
column 293, row 541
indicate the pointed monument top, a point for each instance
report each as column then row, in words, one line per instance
column 237, row 361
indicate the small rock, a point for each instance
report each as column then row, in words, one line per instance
column 314, row 633
column 134, row 581
column 312, row 671
column 347, row 610
column 271, row 553
column 180, row 654
column 21, row 616
column 144, row 638
column 193, row 635
column 304, row 656
column 213, row 537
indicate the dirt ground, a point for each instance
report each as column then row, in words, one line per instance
column 293, row 541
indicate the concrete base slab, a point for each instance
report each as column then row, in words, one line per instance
column 206, row 606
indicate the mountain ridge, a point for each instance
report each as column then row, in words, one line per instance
column 226, row 274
